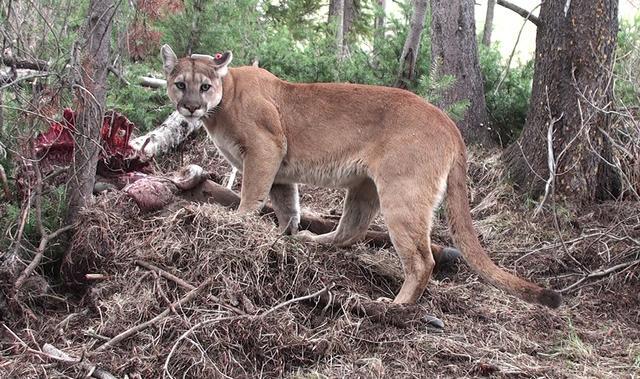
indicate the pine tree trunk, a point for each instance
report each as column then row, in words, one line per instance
column 89, row 99
column 488, row 23
column 378, row 25
column 572, row 92
column 409, row 56
column 454, row 52
column 339, row 21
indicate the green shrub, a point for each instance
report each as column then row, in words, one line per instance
column 507, row 98
column 145, row 107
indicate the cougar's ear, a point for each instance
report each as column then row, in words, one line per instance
column 169, row 59
column 222, row 62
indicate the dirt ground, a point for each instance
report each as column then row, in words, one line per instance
column 237, row 309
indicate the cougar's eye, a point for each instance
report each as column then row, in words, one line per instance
column 205, row 87
column 181, row 85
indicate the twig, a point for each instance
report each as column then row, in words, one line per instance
column 261, row 315
column 63, row 357
column 551, row 162
column 23, row 221
column 38, row 257
column 118, row 74
column 166, row 275
column 503, row 76
column 298, row 299
column 51, row 352
column 601, row 273
column 185, row 284
column 131, row 331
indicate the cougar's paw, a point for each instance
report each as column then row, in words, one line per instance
column 305, row 236
column 433, row 322
column 291, row 229
column 383, row 299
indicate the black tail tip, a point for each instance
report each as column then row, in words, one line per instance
column 550, row 298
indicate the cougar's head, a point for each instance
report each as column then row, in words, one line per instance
column 194, row 84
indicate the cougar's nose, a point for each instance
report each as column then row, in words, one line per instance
column 192, row 108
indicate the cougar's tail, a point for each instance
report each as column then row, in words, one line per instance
column 464, row 236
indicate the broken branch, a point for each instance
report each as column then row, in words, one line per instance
column 522, row 12
column 600, row 273
column 131, row 331
column 36, row 64
column 146, row 81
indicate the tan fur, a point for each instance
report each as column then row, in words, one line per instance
column 392, row 150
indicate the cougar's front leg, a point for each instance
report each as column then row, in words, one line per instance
column 260, row 166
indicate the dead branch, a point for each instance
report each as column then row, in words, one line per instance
column 35, row 64
column 131, row 331
column 61, row 356
column 322, row 292
column 146, row 81
column 183, row 283
column 23, row 221
column 38, row 257
column 165, row 274
column 5, row 183
column 522, row 12
column 600, row 273
column 118, row 74
column 184, row 335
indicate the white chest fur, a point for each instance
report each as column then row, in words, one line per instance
column 227, row 147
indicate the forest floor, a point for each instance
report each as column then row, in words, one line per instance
column 230, row 325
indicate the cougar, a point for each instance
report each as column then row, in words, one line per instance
column 392, row 150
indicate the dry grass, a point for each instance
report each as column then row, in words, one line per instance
column 251, row 269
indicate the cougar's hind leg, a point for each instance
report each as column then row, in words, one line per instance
column 286, row 205
column 360, row 207
column 407, row 207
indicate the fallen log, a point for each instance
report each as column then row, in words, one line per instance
column 35, row 64
column 174, row 130
column 147, row 81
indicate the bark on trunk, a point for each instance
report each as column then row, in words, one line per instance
column 89, row 98
column 409, row 56
column 572, row 92
column 339, row 20
column 378, row 25
column 488, row 23
column 454, row 52
column 198, row 8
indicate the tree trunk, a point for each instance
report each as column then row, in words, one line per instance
column 89, row 98
column 571, row 95
column 336, row 14
column 194, row 36
column 378, row 25
column 488, row 23
column 454, row 52
column 409, row 56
